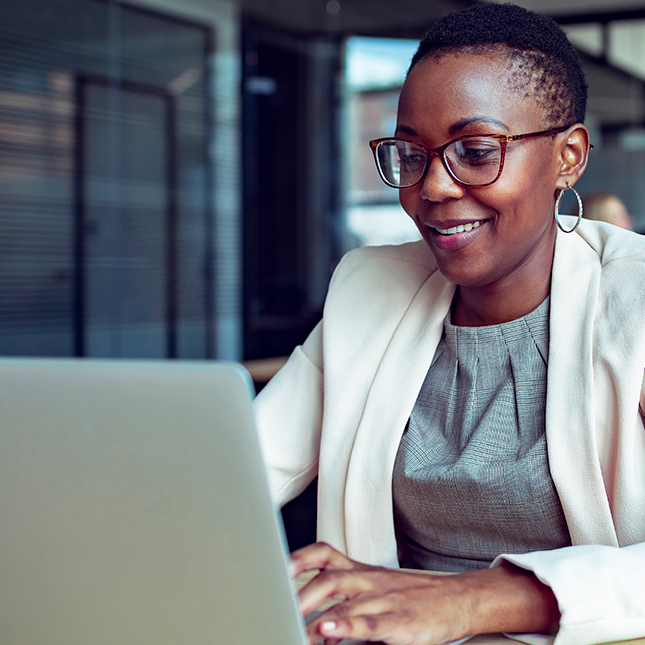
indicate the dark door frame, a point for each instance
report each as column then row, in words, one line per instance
column 83, row 83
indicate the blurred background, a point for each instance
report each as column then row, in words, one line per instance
column 178, row 178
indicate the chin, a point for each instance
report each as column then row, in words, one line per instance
column 465, row 278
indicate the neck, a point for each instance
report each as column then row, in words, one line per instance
column 502, row 301
column 492, row 309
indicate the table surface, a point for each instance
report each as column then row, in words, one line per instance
column 483, row 639
column 263, row 370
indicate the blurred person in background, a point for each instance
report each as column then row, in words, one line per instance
column 607, row 207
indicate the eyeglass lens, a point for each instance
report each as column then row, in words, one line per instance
column 474, row 161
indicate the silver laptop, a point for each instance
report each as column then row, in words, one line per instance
column 134, row 508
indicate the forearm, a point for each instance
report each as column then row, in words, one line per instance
column 510, row 599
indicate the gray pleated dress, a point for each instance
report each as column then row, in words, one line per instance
column 471, row 478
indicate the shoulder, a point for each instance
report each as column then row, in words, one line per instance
column 614, row 259
column 613, row 245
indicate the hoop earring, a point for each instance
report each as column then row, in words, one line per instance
column 557, row 208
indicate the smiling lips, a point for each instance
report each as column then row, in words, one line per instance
column 462, row 228
column 455, row 237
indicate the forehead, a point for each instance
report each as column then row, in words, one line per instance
column 458, row 92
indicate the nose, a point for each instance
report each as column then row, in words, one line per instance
column 438, row 184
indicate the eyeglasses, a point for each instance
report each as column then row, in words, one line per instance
column 473, row 160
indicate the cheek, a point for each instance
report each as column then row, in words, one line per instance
column 531, row 178
column 408, row 198
column 525, row 195
column 504, row 200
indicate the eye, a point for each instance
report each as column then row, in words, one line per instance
column 476, row 151
column 412, row 158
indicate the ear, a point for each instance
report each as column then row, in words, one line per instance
column 573, row 153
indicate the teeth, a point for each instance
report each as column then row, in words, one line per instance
column 458, row 229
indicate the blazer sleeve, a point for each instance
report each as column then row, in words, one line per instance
column 288, row 416
column 600, row 591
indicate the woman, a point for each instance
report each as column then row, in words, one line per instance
column 473, row 399
column 607, row 207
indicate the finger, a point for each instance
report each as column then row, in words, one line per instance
column 327, row 641
column 317, row 639
column 319, row 556
column 387, row 627
column 363, row 605
column 334, row 584
column 373, row 627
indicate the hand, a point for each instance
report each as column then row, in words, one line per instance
column 403, row 608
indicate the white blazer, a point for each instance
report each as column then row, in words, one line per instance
column 339, row 406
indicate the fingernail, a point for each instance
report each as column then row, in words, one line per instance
column 328, row 626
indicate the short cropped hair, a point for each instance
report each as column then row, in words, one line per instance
column 544, row 63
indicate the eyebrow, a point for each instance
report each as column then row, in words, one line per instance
column 462, row 123
column 406, row 129
column 458, row 125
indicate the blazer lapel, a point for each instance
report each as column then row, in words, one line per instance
column 369, row 530
column 570, row 417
